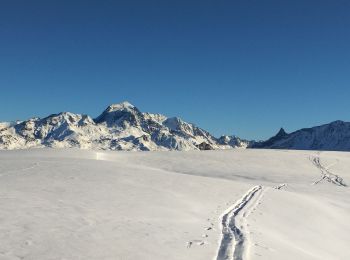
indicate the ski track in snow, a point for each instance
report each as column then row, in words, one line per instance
column 325, row 173
column 234, row 235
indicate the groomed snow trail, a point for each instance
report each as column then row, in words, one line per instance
column 232, row 244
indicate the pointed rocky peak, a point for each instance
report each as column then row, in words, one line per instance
column 281, row 133
column 266, row 144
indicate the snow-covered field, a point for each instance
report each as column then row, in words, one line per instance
column 229, row 204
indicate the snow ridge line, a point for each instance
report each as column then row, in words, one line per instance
column 232, row 237
column 326, row 174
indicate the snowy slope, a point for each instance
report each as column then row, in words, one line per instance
column 120, row 127
column 332, row 137
column 81, row 204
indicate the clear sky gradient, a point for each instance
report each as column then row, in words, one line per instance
column 232, row 67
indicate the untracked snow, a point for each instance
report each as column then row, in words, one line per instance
column 82, row 204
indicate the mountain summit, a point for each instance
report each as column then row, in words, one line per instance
column 121, row 115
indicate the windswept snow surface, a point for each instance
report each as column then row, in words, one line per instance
column 83, row 204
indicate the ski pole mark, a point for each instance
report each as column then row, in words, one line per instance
column 232, row 237
column 196, row 242
column 280, row 186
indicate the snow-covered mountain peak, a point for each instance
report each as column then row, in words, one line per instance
column 120, row 115
column 120, row 106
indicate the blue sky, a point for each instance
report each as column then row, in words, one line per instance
column 232, row 67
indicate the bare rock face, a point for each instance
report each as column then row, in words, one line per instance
column 205, row 146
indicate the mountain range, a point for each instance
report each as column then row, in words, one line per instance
column 124, row 127
column 120, row 127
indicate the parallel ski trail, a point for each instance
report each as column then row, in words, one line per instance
column 232, row 244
